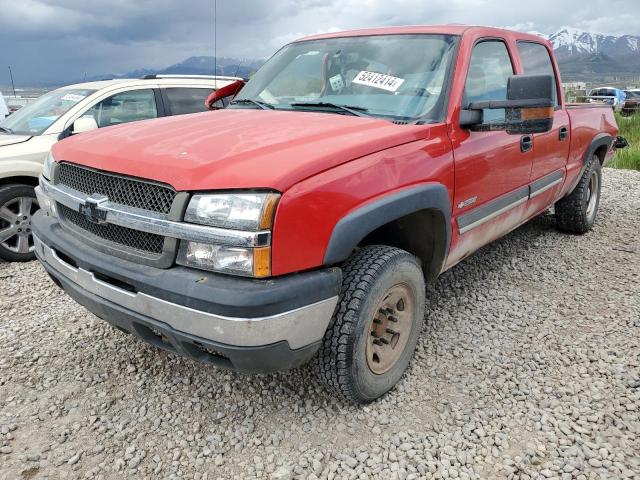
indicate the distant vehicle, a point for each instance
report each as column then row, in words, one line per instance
column 27, row 135
column 4, row 110
column 632, row 102
column 609, row 95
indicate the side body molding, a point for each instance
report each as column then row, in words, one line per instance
column 355, row 226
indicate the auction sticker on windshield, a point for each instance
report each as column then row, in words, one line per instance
column 378, row 80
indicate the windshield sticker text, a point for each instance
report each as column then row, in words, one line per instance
column 378, row 80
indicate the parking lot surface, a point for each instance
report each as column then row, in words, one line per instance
column 528, row 367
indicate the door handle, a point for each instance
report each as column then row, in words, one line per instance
column 526, row 143
column 564, row 133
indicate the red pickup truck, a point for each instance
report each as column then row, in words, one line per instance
column 303, row 220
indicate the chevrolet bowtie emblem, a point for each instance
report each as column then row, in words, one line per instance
column 91, row 208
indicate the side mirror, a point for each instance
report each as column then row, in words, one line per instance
column 230, row 90
column 84, row 124
column 529, row 107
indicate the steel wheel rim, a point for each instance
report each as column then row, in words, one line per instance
column 390, row 328
column 592, row 194
column 15, row 224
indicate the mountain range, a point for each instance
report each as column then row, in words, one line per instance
column 588, row 56
column 582, row 56
column 201, row 65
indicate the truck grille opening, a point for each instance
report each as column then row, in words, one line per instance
column 127, row 191
column 144, row 242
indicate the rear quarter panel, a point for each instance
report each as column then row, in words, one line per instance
column 587, row 122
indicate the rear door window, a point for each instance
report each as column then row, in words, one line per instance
column 536, row 61
column 180, row 101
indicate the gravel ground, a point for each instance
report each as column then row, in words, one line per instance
column 529, row 367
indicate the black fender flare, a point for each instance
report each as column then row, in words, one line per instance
column 600, row 140
column 355, row 226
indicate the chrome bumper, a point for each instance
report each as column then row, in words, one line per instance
column 299, row 327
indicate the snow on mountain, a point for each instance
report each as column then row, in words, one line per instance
column 540, row 34
column 568, row 42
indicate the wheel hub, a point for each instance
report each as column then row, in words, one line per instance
column 15, row 224
column 389, row 329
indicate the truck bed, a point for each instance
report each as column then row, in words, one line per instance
column 587, row 105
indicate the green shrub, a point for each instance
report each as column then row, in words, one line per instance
column 630, row 129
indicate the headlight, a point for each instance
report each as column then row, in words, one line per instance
column 238, row 211
column 234, row 211
column 248, row 262
column 47, row 169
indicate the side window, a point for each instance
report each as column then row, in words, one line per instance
column 536, row 61
column 186, row 100
column 489, row 71
column 124, row 107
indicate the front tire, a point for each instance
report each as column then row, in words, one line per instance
column 576, row 213
column 374, row 331
column 18, row 203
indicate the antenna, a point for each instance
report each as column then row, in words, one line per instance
column 238, row 67
column 215, row 37
column 12, row 84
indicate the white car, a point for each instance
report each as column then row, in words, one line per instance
column 27, row 135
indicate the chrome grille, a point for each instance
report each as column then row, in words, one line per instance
column 144, row 242
column 119, row 189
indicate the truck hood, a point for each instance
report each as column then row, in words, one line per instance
column 12, row 139
column 235, row 148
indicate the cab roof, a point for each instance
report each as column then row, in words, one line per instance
column 449, row 29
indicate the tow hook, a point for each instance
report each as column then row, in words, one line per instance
column 620, row 142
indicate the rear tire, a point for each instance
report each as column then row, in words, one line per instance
column 374, row 331
column 17, row 205
column 576, row 213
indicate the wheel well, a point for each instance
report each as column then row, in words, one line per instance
column 601, row 152
column 23, row 180
column 422, row 233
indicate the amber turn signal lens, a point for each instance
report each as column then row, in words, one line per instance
column 269, row 211
column 539, row 113
column 262, row 262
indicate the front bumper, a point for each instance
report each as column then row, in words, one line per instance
column 238, row 323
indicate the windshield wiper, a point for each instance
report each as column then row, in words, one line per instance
column 350, row 109
column 6, row 129
column 262, row 105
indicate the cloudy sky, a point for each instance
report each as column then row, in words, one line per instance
column 58, row 40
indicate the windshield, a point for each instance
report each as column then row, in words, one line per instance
column 398, row 77
column 632, row 94
column 36, row 117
